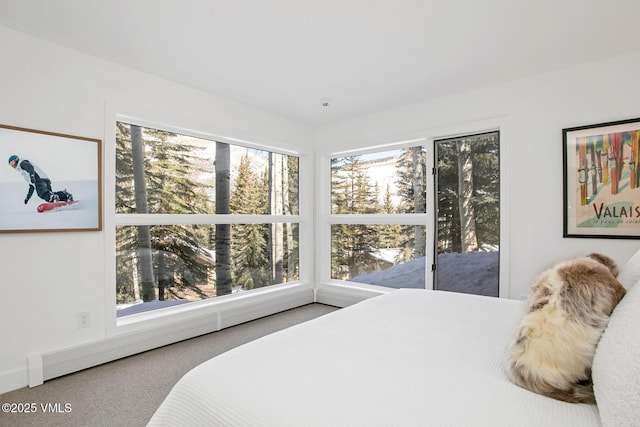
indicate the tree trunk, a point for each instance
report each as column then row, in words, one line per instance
column 465, row 192
column 291, row 262
column 144, row 232
column 276, row 207
column 134, row 269
column 419, row 201
column 223, row 231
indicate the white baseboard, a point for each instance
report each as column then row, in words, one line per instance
column 45, row 366
column 13, row 380
column 340, row 295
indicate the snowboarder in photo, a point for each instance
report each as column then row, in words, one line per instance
column 38, row 181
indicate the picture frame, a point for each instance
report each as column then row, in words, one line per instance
column 601, row 179
column 52, row 182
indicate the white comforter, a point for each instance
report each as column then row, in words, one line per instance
column 407, row 358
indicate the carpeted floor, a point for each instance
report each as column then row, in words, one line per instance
column 126, row 392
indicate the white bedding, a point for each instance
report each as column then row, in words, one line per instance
column 407, row 358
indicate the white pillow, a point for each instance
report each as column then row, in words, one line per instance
column 629, row 273
column 616, row 365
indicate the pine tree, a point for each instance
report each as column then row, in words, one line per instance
column 389, row 233
column 465, row 197
column 411, row 172
column 291, row 201
column 486, row 198
column 352, row 244
column 223, row 231
column 448, row 221
column 276, row 207
column 249, row 241
column 168, row 167
column 482, row 196
column 141, row 203
column 174, row 165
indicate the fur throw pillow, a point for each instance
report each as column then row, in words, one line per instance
column 566, row 312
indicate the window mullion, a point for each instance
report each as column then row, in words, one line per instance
column 164, row 219
column 403, row 219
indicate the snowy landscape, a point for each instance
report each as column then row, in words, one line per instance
column 16, row 215
column 471, row 273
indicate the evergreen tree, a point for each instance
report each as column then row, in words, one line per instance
column 276, row 207
column 352, row 244
column 223, row 231
column 465, row 196
column 483, row 194
column 448, row 220
column 249, row 241
column 168, row 167
column 142, row 203
column 125, row 202
column 175, row 190
column 411, row 172
column 291, row 201
column 389, row 233
column 486, row 197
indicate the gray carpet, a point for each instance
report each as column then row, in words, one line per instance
column 127, row 392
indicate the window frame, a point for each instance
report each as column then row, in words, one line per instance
column 325, row 219
column 211, row 306
column 343, row 293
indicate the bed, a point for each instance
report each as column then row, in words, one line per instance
column 406, row 358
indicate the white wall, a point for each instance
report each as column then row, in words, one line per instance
column 47, row 278
column 533, row 112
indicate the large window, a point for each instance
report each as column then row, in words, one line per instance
column 378, row 208
column 382, row 205
column 198, row 218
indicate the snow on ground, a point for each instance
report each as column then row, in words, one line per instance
column 141, row 307
column 15, row 215
column 471, row 273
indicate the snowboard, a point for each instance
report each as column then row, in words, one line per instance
column 45, row 207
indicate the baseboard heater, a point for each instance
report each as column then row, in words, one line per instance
column 339, row 295
column 46, row 366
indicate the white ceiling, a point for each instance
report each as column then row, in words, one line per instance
column 285, row 56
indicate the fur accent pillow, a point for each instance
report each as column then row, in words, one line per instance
column 566, row 312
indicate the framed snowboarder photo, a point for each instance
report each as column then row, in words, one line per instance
column 602, row 180
column 51, row 181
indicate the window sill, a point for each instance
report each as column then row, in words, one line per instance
column 217, row 310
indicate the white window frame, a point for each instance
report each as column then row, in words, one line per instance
column 212, row 308
column 343, row 293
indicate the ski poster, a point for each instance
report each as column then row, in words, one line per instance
column 602, row 180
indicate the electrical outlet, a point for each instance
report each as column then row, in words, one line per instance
column 84, row 320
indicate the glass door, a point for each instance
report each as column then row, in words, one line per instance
column 467, row 206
